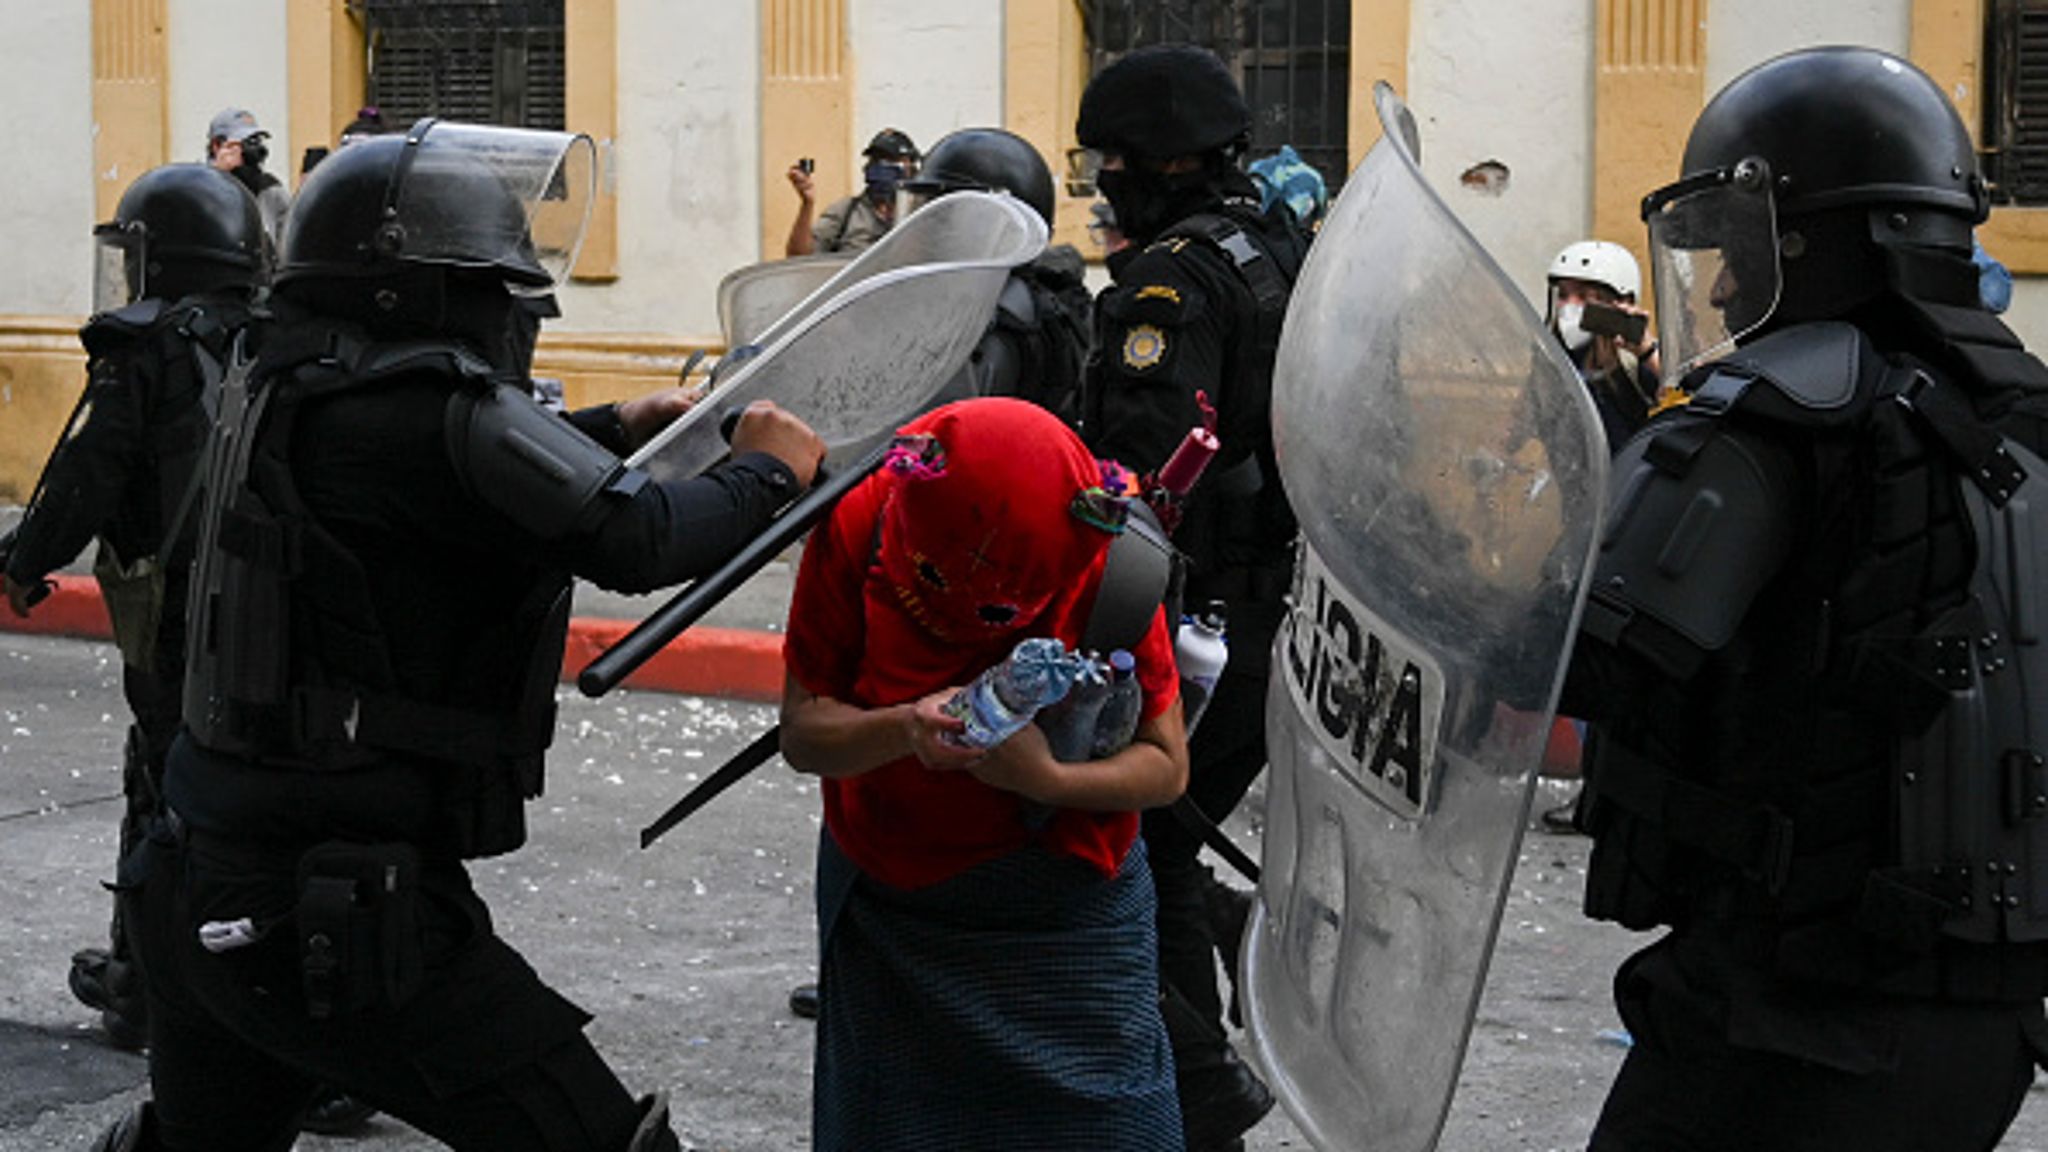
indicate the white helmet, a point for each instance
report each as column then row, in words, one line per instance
column 1600, row 262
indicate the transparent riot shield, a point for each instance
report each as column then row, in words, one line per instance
column 752, row 298
column 873, row 345
column 1448, row 470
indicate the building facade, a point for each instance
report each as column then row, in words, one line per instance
column 1543, row 121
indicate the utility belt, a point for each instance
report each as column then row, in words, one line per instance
column 355, row 925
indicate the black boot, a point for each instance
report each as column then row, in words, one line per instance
column 111, row 984
column 803, row 1000
column 332, row 1112
column 1220, row 1097
column 135, row 1132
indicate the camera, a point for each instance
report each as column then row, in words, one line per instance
column 1607, row 320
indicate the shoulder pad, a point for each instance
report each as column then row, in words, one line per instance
column 1692, row 538
column 110, row 329
column 381, row 360
column 1815, row 375
column 1017, row 307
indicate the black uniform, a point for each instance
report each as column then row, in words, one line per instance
column 1182, row 324
column 122, row 474
column 1809, row 657
column 379, row 609
column 440, row 612
column 1037, row 343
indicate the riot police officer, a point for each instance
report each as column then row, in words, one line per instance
column 179, row 265
column 1192, row 321
column 1037, row 343
column 1821, row 736
column 379, row 608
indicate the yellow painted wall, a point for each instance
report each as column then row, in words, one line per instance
column 1379, row 51
column 592, row 78
column 1045, row 67
column 806, row 108
column 1649, row 85
column 1948, row 44
column 130, row 96
column 42, row 370
column 327, row 69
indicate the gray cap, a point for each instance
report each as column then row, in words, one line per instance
column 234, row 125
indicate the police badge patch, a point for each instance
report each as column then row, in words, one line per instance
column 1144, row 347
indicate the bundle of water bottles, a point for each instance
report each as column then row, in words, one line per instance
column 1088, row 706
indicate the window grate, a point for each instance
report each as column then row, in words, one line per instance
column 1293, row 58
column 483, row 61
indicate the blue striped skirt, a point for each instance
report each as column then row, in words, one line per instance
column 1014, row 1006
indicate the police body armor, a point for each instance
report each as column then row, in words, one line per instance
column 1238, row 522
column 1905, row 796
column 288, row 663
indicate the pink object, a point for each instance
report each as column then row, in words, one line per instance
column 1180, row 472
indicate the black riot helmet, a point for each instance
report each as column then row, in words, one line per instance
column 1162, row 101
column 179, row 229
column 504, row 202
column 1813, row 182
column 981, row 160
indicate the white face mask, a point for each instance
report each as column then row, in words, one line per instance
column 1568, row 329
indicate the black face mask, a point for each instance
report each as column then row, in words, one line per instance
column 1147, row 202
column 254, row 153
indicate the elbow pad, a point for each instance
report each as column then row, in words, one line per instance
column 531, row 464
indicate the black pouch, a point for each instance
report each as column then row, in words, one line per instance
column 358, row 927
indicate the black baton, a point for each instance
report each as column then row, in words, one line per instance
column 729, row 773
column 670, row 620
column 1195, row 820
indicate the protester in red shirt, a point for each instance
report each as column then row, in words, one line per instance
column 989, row 975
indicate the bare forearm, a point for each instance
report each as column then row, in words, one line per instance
column 799, row 242
column 831, row 738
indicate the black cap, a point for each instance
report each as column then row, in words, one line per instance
column 1162, row 101
column 891, row 144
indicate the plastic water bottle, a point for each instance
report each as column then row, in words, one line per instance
column 1006, row 697
column 1200, row 652
column 1117, row 723
column 1070, row 723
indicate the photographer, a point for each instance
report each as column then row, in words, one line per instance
column 854, row 222
column 1593, row 312
column 238, row 146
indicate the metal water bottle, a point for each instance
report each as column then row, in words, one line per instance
column 1201, row 653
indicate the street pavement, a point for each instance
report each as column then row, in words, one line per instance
column 686, row 952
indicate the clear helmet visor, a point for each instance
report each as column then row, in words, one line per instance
column 515, row 198
column 911, row 197
column 120, row 266
column 1714, row 260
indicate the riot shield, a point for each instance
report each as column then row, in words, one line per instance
column 873, row 345
column 752, row 298
column 1448, row 471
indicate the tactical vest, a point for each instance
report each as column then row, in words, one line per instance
column 1238, row 524
column 288, row 665
column 1047, row 316
column 1861, row 661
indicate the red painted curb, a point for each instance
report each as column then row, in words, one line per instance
column 731, row 662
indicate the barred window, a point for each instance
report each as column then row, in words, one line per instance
column 1292, row 56
column 2014, row 134
column 484, row 61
